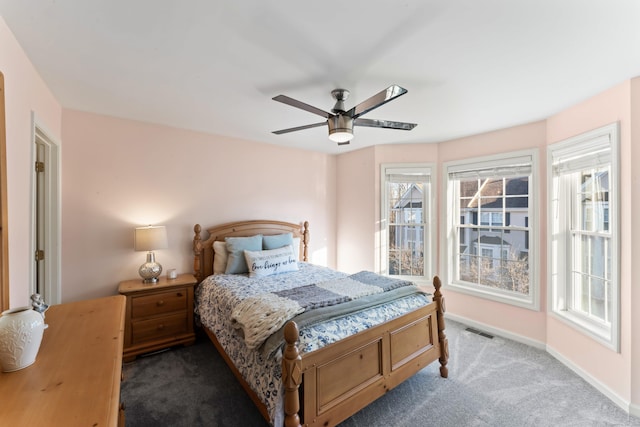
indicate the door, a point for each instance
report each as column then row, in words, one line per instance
column 46, row 217
column 40, row 258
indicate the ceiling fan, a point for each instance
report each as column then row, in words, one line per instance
column 340, row 121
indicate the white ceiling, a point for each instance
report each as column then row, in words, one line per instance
column 470, row 66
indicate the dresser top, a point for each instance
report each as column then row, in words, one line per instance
column 75, row 379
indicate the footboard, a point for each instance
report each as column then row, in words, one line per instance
column 327, row 386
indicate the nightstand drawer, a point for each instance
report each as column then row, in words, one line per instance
column 165, row 302
column 159, row 327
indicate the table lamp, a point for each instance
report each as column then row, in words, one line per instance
column 148, row 239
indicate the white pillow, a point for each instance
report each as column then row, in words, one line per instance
column 296, row 248
column 271, row 261
column 219, row 257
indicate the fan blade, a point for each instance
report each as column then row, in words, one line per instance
column 388, row 124
column 306, row 107
column 377, row 100
column 315, row 125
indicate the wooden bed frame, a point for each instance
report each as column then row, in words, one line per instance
column 327, row 386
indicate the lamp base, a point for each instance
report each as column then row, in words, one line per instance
column 150, row 270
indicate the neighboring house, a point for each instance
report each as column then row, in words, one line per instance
column 494, row 205
column 595, row 218
column 408, row 210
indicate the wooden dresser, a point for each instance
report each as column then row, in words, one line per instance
column 75, row 380
column 159, row 315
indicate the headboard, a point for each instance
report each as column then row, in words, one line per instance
column 203, row 249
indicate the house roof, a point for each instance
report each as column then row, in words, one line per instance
column 212, row 66
column 493, row 240
column 490, row 193
column 410, row 198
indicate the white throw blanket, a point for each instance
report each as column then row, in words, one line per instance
column 262, row 315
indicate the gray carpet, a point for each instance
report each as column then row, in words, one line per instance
column 492, row 382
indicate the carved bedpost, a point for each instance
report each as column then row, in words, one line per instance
column 291, row 375
column 442, row 338
column 305, row 240
column 197, row 252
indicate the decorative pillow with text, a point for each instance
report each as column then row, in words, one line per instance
column 272, row 261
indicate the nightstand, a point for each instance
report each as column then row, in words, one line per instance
column 158, row 315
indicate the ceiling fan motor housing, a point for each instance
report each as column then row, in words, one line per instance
column 340, row 124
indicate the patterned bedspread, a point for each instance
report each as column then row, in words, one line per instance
column 218, row 296
column 260, row 316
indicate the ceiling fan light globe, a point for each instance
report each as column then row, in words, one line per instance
column 341, row 136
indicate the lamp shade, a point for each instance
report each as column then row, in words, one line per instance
column 150, row 238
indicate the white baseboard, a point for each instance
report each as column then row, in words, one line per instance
column 628, row 407
column 496, row 331
column 634, row 410
column 602, row 388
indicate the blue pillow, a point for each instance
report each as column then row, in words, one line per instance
column 277, row 241
column 236, row 263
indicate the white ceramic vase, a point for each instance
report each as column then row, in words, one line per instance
column 21, row 332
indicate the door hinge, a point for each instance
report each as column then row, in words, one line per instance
column 39, row 255
column 39, row 166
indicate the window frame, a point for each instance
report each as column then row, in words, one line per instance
column 429, row 218
column 450, row 240
column 560, row 250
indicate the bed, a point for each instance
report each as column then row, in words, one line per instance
column 309, row 380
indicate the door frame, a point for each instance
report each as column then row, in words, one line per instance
column 4, row 208
column 52, row 212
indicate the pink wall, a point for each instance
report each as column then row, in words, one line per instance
column 607, row 366
column 634, row 255
column 357, row 209
column 25, row 94
column 119, row 174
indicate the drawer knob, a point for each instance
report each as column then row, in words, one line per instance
column 160, row 303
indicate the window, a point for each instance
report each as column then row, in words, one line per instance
column 491, row 218
column 489, row 239
column 583, row 218
column 406, row 226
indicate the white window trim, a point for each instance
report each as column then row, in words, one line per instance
column 609, row 338
column 430, row 229
column 449, row 241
